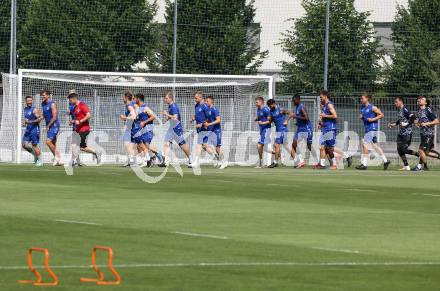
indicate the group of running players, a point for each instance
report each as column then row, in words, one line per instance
column 139, row 133
column 425, row 119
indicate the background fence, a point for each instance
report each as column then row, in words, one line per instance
column 385, row 47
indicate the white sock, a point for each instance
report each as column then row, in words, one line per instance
column 384, row 159
column 364, row 160
column 334, row 162
column 419, row 166
column 322, row 163
column 301, row 158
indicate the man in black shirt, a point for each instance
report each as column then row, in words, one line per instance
column 426, row 121
column 405, row 123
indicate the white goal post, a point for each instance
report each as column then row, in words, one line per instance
column 102, row 91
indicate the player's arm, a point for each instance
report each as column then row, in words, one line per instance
column 431, row 115
column 285, row 111
column 332, row 114
column 394, row 124
column 86, row 118
column 53, row 108
column 411, row 117
column 131, row 114
column 171, row 115
column 304, row 113
column 38, row 117
column 218, row 120
column 150, row 119
column 290, row 115
column 379, row 114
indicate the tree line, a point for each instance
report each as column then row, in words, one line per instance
column 221, row 37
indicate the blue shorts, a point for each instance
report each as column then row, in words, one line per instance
column 32, row 136
column 175, row 134
column 215, row 138
column 280, row 136
column 264, row 136
column 328, row 138
column 52, row 132
column 202, row 136
column 147, row 137
column 371, row 137
column 304, row 135
column 136, row 136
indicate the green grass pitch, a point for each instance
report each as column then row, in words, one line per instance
column 236, row 229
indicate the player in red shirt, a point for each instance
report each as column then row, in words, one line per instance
column 82, row 116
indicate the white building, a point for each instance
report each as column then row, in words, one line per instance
column 275, row 17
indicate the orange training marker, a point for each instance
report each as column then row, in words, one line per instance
column 39, row 279
column 100, row 280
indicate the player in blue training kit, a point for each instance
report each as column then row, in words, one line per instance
column 50, row 115
column 405, row 124
column 278, row 117
column 426, row 121
column 370, row 115
column 142, row 131
column 264, row 123
column 200, row 111
column 213, row 125
column 31, row 137
column 304, row 131
column 128, row 117
column 175, row 131
column 328, row 124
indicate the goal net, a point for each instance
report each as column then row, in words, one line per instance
column 234, row 97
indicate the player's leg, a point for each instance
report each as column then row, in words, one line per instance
column 85, row 148
column 322, row 153
column 403, row 143
column 277, row 154
column 293, row 151
column 279, row 140
column 51, row 142
column 379, row 150
column 326, row 141
column 202, row 139
column 427, row 143
column 262, row 146
column 296, row 153
column 185, row 148
column 330, row 151
column 35, row 141
column 365, row 155
column 219, row 151
column 76, row 149
column 434, row 154
column 129, row 147
column 260, row 150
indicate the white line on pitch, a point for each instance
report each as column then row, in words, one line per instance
column 432, row 195
column 280, row 185
column 78, row 222
column 426, row 194
column 362, row 190
column 224, row 181
column 243, row 264
column 200, row 235
column 338, row 250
